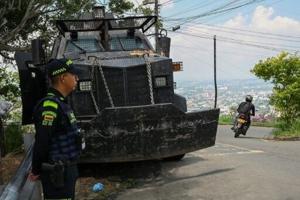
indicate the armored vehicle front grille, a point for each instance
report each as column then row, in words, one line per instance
column 114, row 79
column 127, row 86
column 138, row 86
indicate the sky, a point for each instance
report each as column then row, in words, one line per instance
column 244, row 35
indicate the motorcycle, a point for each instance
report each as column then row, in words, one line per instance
column 240, row 126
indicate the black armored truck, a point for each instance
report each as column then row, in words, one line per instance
column 125, row 102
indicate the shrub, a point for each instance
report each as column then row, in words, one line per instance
column 225, row 119
column 13, row 139
column 285, row 129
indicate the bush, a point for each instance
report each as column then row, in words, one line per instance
column 229, row 120
column 225, row 119
column 13, row 139
column 284, row 129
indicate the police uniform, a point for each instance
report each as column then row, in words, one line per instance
column 57, row 141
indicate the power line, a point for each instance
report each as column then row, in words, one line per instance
column 194, row 7
column 221, row 14
column 261, row 36
column 166, row 3
column 198, row 48
column 251, row 32
column 222, row 9
column 260, row 41
column 236, row 53
column 241, row 42
column 169, row 2
column 280, row 37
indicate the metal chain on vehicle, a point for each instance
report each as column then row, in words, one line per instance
column 149, row 75
column 96, row 61
column 92, row 93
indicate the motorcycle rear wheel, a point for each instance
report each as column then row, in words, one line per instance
column 236, row 135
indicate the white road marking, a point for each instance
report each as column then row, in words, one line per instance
column 239, row 152
column 221, row 149
column 237, row 147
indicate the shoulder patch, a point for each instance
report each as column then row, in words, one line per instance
column 48, row 118
column 49, row 103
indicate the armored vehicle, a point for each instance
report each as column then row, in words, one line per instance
column 125, row 102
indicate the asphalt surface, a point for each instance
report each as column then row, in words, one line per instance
column 246, row 168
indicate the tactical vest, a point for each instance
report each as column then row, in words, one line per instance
column 66, row 143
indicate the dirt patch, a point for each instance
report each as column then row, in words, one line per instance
column 115, row 178
column 9, row 165
column 286, row 138
column 110, row 190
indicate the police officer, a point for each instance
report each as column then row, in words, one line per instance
column 57, row 141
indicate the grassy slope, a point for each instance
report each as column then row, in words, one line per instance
column 227, row 120
column 282, row 131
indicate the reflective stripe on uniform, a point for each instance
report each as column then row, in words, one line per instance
column 69, row 62
column 49, row 103
column 49, row 113
column 50, row 94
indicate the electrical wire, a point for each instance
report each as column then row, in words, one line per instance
column 192, row 8
column 267, row 35
column 241, row 42
column 260, row 37
column 215, row 17
column 222, row 9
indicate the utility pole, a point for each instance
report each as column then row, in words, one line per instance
column 156, row 11
column 215, row 71
column 156, row 25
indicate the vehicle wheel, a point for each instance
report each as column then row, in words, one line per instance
column 236, row 134
column 174, row 158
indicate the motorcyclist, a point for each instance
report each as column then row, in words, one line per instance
column 246, row 108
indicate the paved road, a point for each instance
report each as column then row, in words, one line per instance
column 246, row 168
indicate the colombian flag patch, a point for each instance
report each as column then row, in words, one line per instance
column 48, row 118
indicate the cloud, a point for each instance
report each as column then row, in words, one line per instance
column 238, row 21
column 263, row 20
column 233, row 60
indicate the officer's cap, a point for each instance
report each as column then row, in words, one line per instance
column 56, row 67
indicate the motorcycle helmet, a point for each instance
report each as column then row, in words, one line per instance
column 249, row 98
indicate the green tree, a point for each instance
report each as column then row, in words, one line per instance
column 9, row 91
column 120, row 6
column 9, row 85
column 284, row 72
column 148, row 10
column 20, row 20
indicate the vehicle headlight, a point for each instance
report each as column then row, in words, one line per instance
column 160, row 81
column 85, row 85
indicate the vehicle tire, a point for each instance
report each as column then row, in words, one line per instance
column 237, row 134
column 174, row 158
